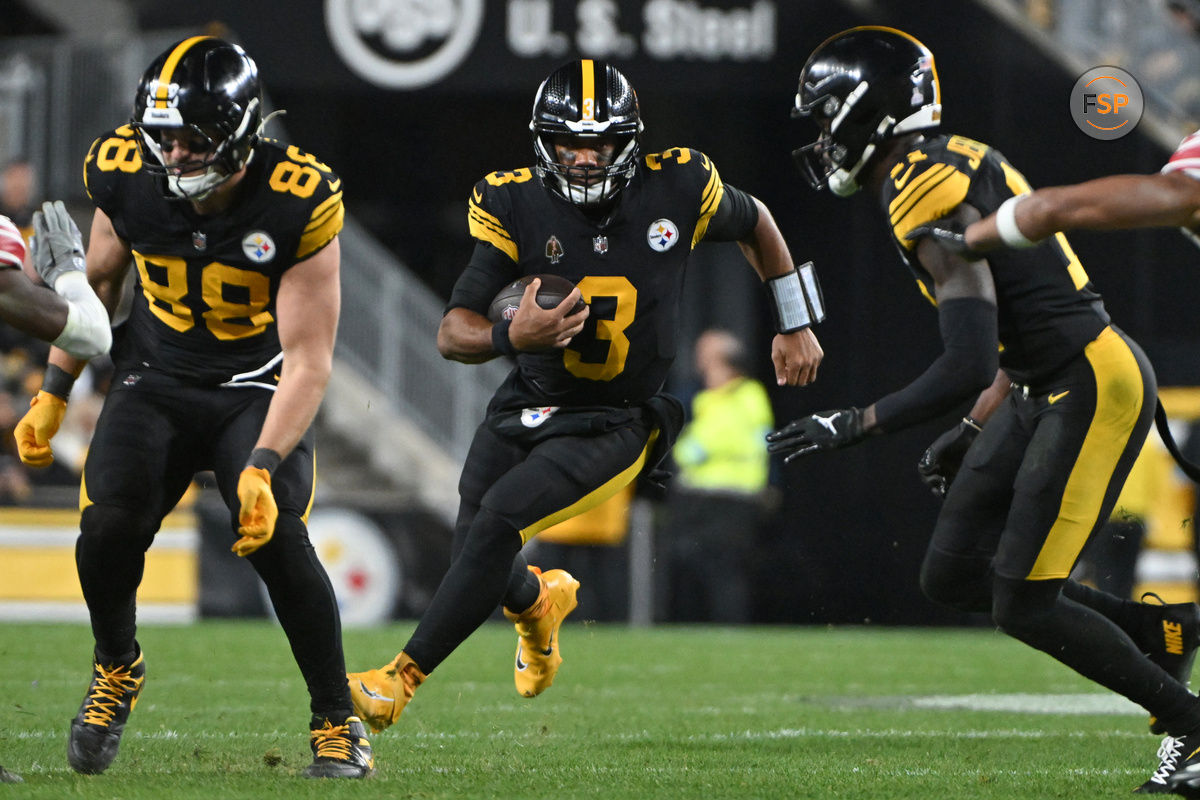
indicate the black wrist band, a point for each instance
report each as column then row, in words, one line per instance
column 264, row 458
column 500, row 341
column 57, row 381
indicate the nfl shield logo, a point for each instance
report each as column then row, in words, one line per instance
column 199, row 240
column 600, row 244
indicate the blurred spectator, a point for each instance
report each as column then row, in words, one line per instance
column 17, row 201
column 716, row 504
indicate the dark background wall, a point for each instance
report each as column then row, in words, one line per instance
column 853, row 524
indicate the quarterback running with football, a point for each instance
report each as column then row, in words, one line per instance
column 1065, row 398
column 220, row 366
column 582, row 412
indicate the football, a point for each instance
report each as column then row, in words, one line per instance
column 554, row 290
column 12, row 244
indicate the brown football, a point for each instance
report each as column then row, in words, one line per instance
column 554, row 290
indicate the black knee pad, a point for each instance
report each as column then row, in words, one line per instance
column 957, row 581
column 109, row 524
column 491, row 539
column 1022, row 608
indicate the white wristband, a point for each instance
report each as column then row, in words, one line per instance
column 1006, row 224
column 87, row 333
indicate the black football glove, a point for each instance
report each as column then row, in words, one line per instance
column 941, row 461
column 950, row 235
column 825, row 430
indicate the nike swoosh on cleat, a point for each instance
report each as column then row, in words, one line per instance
column 374, row 695
column 549, row 651
column 521, row 665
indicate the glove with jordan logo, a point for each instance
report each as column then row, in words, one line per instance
column 825, row 430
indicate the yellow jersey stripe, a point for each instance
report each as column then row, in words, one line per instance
column 314, row 238
column 168, row 70
column 937, row 201
column 710, row 199
column 596, row 496
column 324, row 208
column 1119, row 398
column 899, row 203
column 487, row 228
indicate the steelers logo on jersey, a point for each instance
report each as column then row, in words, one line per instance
column 662, row 235
column 258, row 246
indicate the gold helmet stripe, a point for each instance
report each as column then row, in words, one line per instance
column 588, row 101
column 168, row 70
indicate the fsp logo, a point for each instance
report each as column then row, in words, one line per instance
column 1106, row 103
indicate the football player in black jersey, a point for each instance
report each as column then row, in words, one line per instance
column 1065, row 398
column 581, row 414
column 220, row 366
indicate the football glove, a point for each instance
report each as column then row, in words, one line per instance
column 57, row 246
column 950, row 235
column 259, row 512
column 37, row 427
column 825, row 430
column 941, row 460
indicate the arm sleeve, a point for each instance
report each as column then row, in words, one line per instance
column 735, row 217
column 966, row 366
column 486, row 274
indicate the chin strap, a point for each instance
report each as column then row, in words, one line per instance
column 1164, row 430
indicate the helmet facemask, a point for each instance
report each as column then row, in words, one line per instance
column 587, row 186
column 222, row 154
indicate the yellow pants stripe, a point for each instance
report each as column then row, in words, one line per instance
column 594, row 497
column 1119, row 398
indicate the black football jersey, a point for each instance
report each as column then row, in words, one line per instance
column 1047, row 307
column 628, row 267
column 204, row 300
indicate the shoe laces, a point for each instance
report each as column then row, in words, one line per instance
column 333, row 741
column 109, row 690
column 1168, row 754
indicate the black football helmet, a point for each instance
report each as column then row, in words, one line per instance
column 862, row 87
column 583, row 100
column 209, row 88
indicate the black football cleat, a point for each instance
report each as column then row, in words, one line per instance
column 339, row 751
column 97, row 728
column 1171, row 641
column 1179, row 770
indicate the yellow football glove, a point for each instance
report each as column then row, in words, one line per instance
column 37, row 427
column 259, row 512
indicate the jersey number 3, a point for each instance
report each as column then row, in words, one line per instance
column 612, row 330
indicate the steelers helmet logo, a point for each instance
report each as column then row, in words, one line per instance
column 662, row 235
column 258, row 246
column 398, row 44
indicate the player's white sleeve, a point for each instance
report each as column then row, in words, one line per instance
column 87, row 333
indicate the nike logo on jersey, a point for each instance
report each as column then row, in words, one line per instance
column 827, row 422
column 374, row 695
column 903, row 179
column 335, row 185
column 476, row 196
column 1054, row 398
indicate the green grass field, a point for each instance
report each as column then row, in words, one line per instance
column 675, row 712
